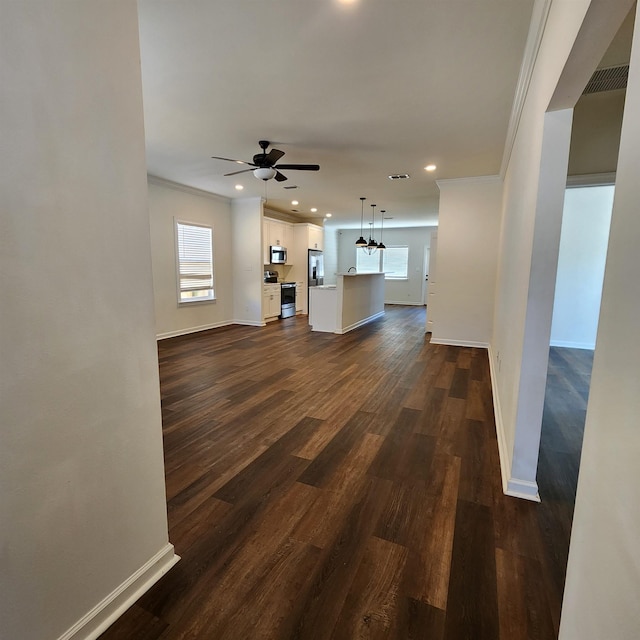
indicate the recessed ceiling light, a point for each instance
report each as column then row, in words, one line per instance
column 313, row 209
column 294, row 202
column 430, row 167
column 239, row 187
column 327, row 215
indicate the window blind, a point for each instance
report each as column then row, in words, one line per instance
column 195, row 262
column 396, row 263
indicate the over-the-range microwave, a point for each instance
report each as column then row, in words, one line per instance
column 278, row 255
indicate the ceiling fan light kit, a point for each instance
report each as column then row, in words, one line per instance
column 264, row 173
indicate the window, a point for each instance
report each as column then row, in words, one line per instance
column 366, row 263
column 195, row 262
column 395, row 263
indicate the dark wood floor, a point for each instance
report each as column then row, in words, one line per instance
column 347, row 487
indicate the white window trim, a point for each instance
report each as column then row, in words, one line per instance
column 194, row 301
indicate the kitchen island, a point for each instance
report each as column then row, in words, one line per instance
column 355, row 299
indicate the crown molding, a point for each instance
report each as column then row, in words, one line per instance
column 163, row 182
column 538, row 23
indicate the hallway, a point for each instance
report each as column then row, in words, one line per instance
column 324, row 486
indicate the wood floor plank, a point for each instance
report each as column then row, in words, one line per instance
column 371, row 607
column 431, row 536
column 512, row 605
column 419, row 621
column 459, row 383
column 472, row 612
column 445, row 376
column 475, row 484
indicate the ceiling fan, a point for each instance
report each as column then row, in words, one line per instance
column 264, row 165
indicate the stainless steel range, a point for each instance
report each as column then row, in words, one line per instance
column 288, row 299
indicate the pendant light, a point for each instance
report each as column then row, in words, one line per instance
column 361, row 242
column 372, row 245
column 381, row 246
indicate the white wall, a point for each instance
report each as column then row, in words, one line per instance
column 521, row 185
column 468, row 239
column 330, row 253
column 603, row 575
column 583, row 251
column 400, row 291
column 82, row 492
column 167, row 203
column 248, row 270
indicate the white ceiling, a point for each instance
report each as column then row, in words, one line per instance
column 364, row 89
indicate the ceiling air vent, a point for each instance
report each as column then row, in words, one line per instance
column 608, row 79
column 399, row 176
column 293, row 186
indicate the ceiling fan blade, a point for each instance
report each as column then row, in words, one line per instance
column 279, row 177
column 299, row 167
column 229, row 160
column 235, row 173
column 273, row 156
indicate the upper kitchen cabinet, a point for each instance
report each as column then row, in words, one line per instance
column 315, row 237
column 276, row 233
column 279, row 233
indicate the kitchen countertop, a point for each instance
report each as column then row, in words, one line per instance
column 370, row 273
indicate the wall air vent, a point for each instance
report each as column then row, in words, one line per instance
column 608, row 79
column 399, row 176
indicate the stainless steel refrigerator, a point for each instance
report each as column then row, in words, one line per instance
column 316, row 268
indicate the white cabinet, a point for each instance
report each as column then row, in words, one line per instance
column 279, row 233
column 270, row 300
column 316, row 237
column 276, row 233
column 301, row 295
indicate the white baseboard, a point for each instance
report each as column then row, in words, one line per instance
column 452, row 342
column 205, row 327
column 523, row 489
column 351, row 327
column 250, row 323
column 590, row 346
column 184, row 332
column 510, row 486
column 106, row 612
column 405, row 303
